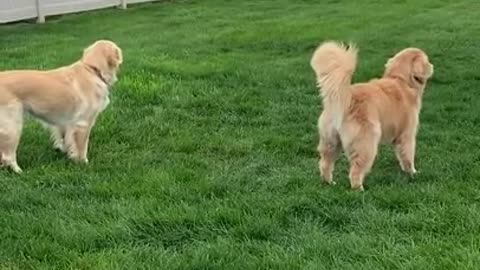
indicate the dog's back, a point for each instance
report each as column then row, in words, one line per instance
column 386, row 101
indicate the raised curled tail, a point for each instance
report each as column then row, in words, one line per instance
column 334, row 64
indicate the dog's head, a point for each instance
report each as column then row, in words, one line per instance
column 412, row 65
column 105, row 57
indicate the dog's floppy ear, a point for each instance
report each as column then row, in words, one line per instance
column 398, row 66
column 389, row 63
column 115, row 57
column 91, row 58
column 421, row 67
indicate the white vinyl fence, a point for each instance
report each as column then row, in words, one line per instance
column 16, row 10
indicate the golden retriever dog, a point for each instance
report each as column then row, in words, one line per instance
column 358, row 117
column 68, row 100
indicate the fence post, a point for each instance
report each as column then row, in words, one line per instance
column 40, row 14
column 123, row 4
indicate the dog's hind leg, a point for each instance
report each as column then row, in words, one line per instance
column 329, row 147
column 362, row 151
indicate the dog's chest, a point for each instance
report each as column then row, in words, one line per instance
column 104, row 101
column 91, row 106
column 101, row 100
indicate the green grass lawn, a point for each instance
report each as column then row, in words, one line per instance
column 206, row 157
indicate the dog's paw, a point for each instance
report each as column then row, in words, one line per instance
column 59, row 148
column 8, row 164
column 14, row 167
column 412, row 172
column 81, row 160
column 17, row 170
column 75, row 157
column 329, row 183
column 358, row 188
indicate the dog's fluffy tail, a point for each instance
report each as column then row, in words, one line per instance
column 334, row 64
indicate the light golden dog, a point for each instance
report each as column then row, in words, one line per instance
column 67, row 99
column 358, row 117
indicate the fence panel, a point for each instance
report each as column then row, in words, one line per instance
column 15, row 10
column 56, row 7
column 137, row 1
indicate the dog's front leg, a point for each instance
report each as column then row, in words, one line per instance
column 81, row 138
column 58, row 137
column 69, row 144
column 405, row 152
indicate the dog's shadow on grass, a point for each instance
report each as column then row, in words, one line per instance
column 386, row 172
